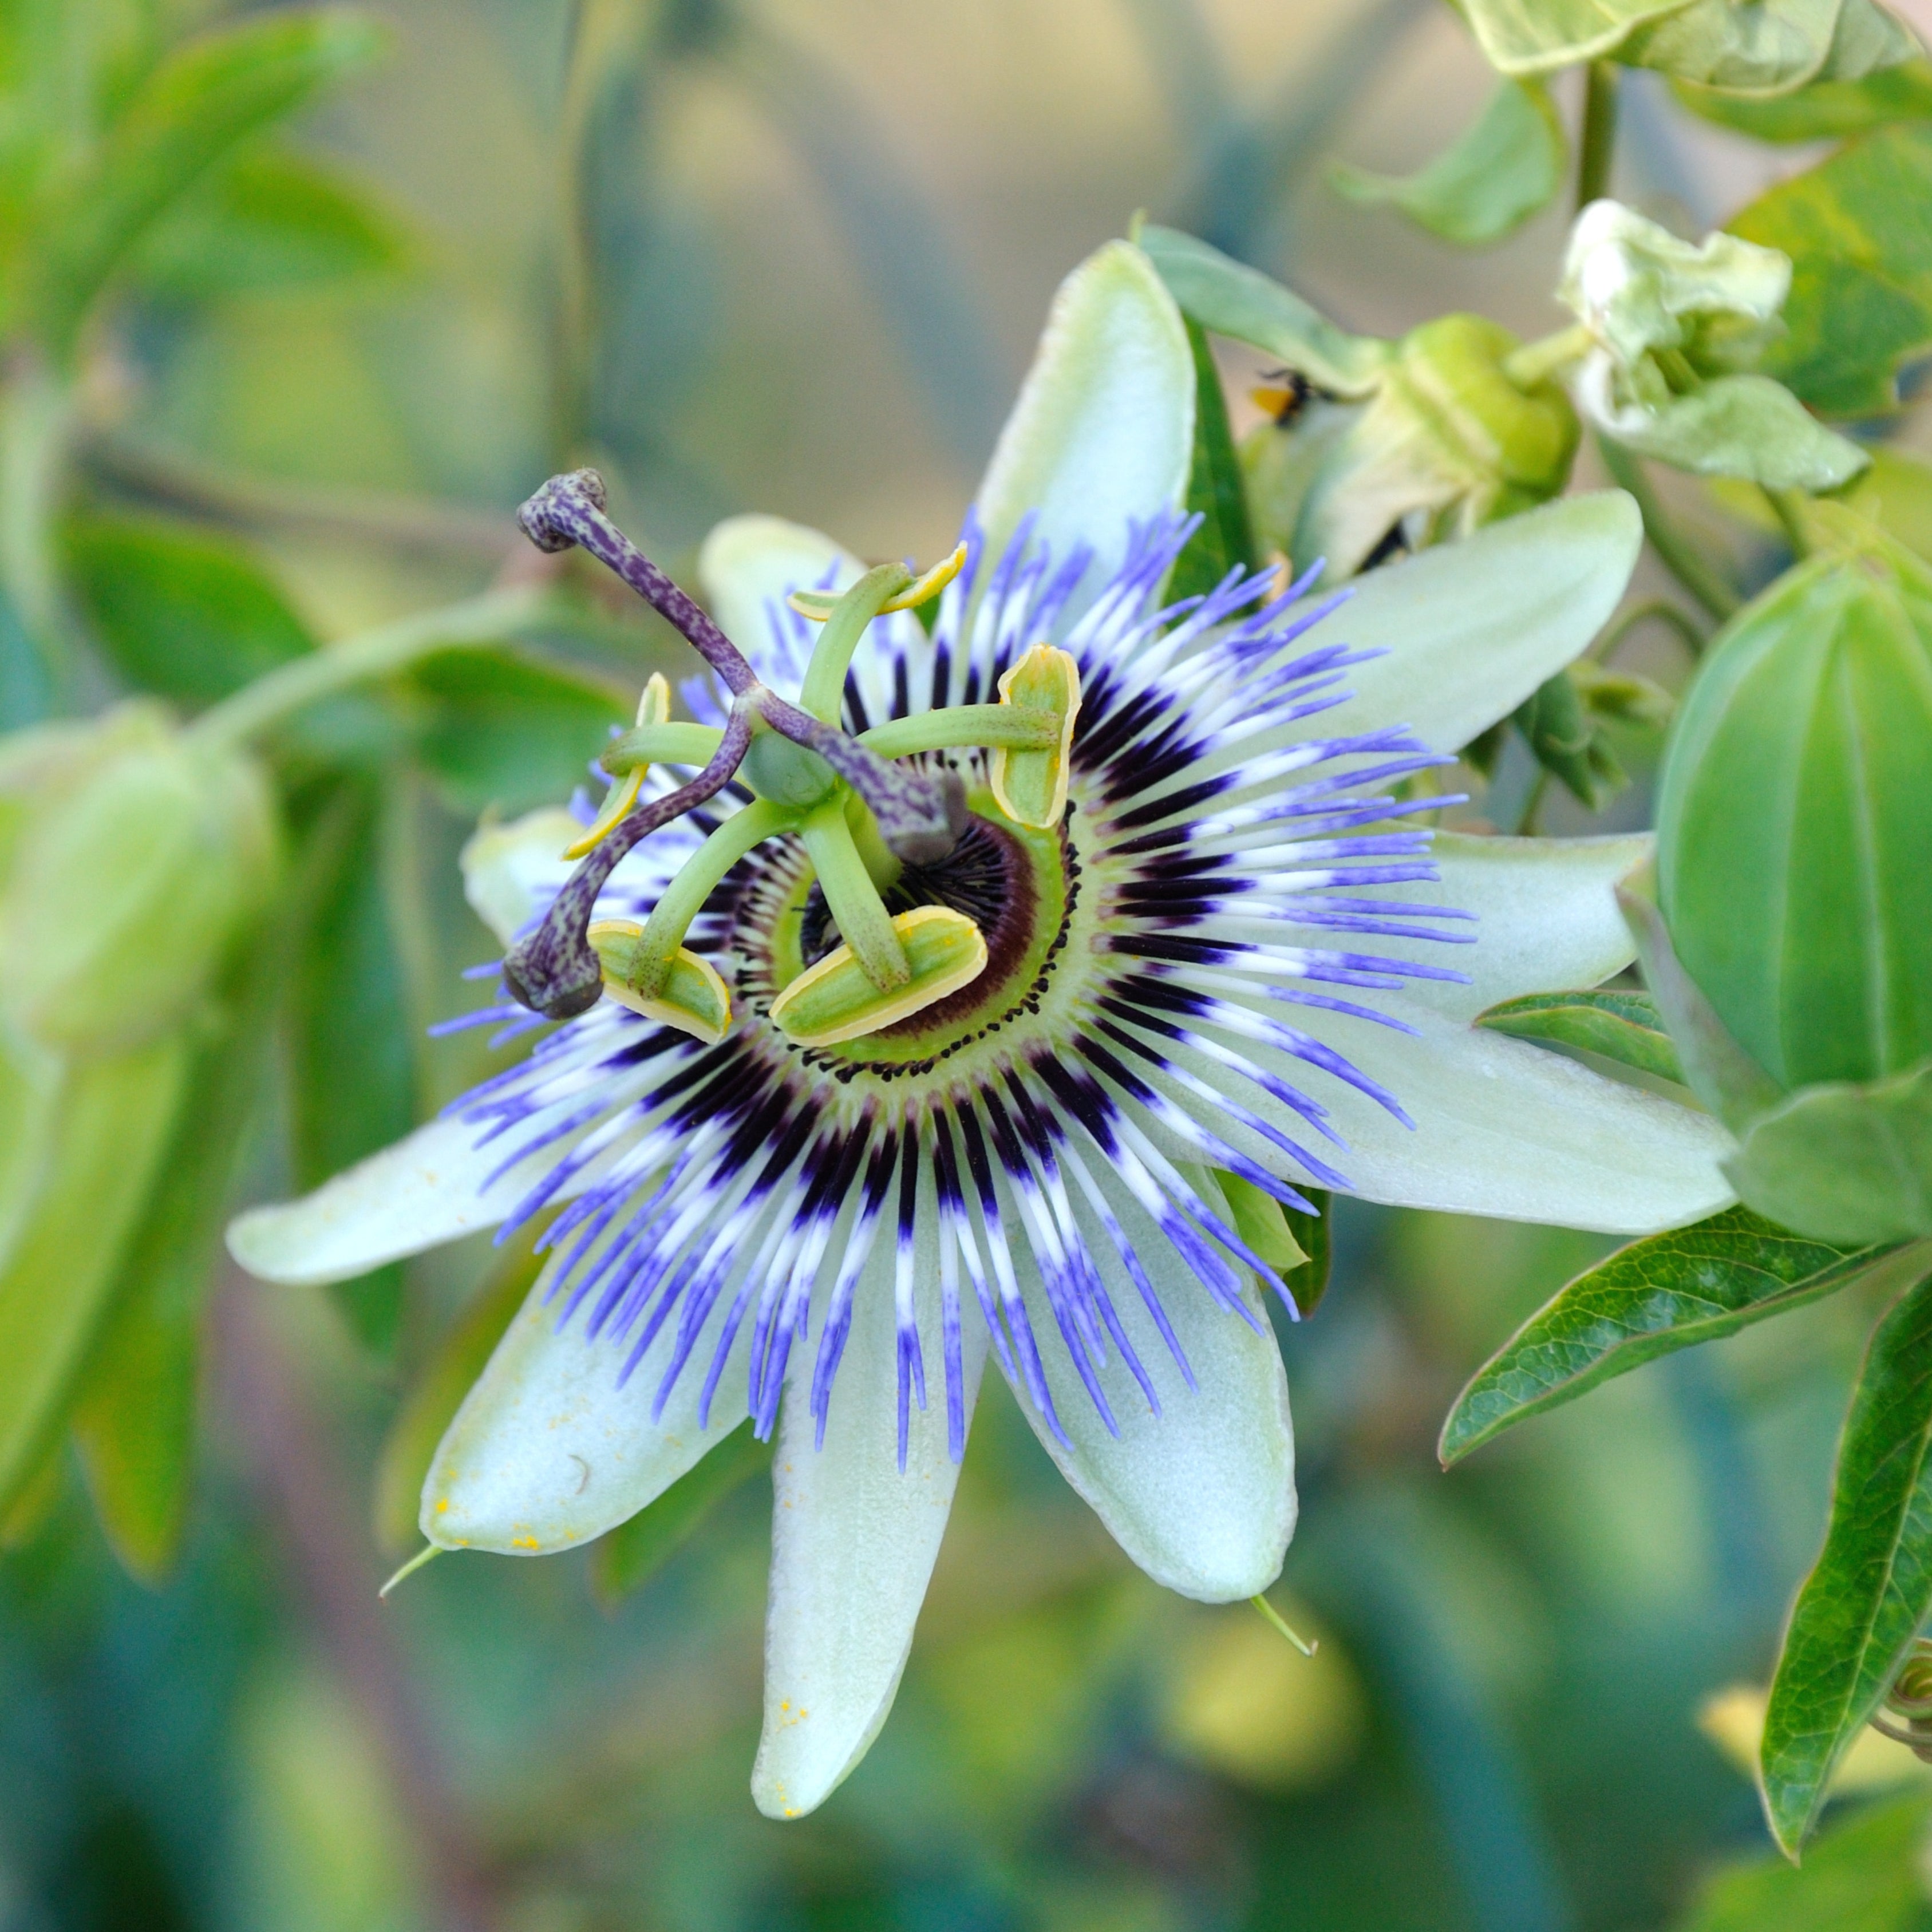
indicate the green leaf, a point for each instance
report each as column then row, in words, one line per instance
column 101, row 1152
column 352, row 1071
column 133, row 1419
column 269, row 220
column 1859, row 229
column 431, row 1404
column 1849, row 1162
column 1740, row 425
column 201, row 102
column 1768, row 47
column 1235, row 300
column 511, row 729
column 1525, row 37
column 1858, row 1611
column 1863, row 1875
column 1824, row 110
column 624, row 1559
column 180, row 612
column 1666, row 1292
column 1620, row 1026
column 1216, row 488
column 1507, row 164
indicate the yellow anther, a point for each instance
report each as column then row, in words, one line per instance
column 653, row 708
column 1031, row 785
column 693, row 998
column 834, row 1000
column 818, row 605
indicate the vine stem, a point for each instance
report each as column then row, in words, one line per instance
column 296, row 1472
column 1596, row 148
column 1679, row 555
column 493, row 619
column 1657, row 610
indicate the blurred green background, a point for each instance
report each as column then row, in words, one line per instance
column 797, row 263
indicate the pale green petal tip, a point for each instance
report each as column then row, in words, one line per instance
column 749, row 563
column 1102, row 433
column 510, row 871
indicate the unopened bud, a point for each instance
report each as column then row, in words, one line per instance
column 129, row 879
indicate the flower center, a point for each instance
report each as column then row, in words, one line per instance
column 1021, row 886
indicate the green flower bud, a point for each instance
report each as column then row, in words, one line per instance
column 1447, row 441
column 132, row 858
column 1794, row 819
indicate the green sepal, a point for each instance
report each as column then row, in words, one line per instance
column 1624, row 1026
column 437, row 1392
column 1510, row 162
column 1821, row 110
column 1860, row 299
column 624, row 1559
column 1314, row 1233
column 1668, row 1291
column 1857, row 1613
column 1847, row 1162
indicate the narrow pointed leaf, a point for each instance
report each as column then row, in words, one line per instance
column 1670, row 1292
column 1858, row 1611
column 1624, row 1026
column 1233, row 300
column 1217, row 491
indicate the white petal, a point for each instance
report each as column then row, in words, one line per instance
column 749, row 565
column 1201, row 1496
column 1470, row 629
column 511, row 872
column 1103, row 433
column 852, row 1539
column 547, row 1450
column 1502, row 1128
column 428, row 1188
column 1546, row 918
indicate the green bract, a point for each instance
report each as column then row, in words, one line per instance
column 127, row 879
column 1676, row 327
column 1447, row 438
column 1795, row 874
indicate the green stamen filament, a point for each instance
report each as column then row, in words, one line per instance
column 824, row 691
column 657, row 945
column 660, row 745
column 864, row 924
column 965, row 726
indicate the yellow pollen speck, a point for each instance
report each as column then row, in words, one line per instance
column 442, row 1503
